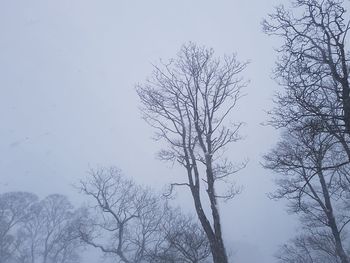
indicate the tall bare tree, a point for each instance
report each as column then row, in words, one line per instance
column 188, row 101
column 314, row 107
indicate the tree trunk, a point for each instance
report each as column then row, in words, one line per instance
column 332, row 221
column 216, row 244
column 219, row 243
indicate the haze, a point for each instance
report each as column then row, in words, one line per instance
column 68, row 71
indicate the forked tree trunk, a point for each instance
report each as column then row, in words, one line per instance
column 217, row 247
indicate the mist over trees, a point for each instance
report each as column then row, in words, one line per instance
column 38, row 231
column 126, row 222
column 189, row 102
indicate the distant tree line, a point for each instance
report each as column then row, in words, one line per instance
column 33, row 230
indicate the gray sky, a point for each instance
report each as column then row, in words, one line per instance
column 67, row 99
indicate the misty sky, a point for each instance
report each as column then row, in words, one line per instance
column 68, row 71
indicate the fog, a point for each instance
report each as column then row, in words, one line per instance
column 68, row 103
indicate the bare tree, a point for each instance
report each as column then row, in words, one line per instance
column 308, row 162
column 313, row 65
column 127, row 216
column 314, row 107
column 187, row 101
column 14, row 210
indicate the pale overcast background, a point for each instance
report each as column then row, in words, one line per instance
column 68, row 71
